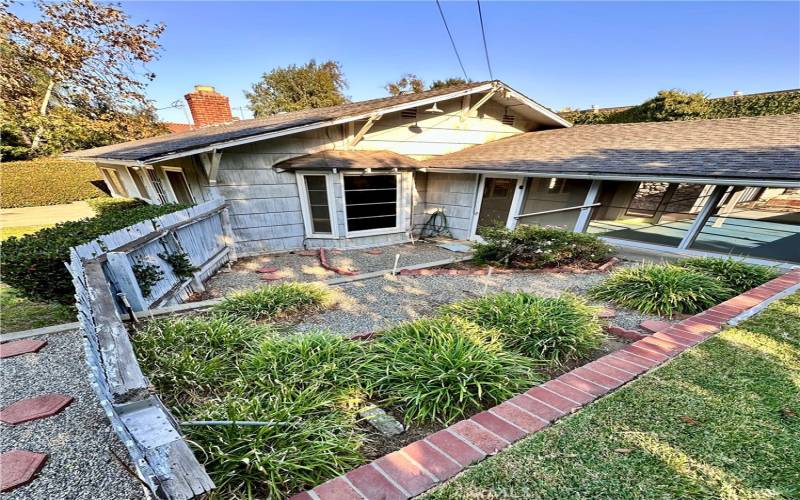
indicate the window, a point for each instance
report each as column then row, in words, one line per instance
column 180, row 188
column 157, row 185
column 138, row 178
column 317, row 211
column 113, row 179
column 371, row 202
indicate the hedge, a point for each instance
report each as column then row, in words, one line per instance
column 34, row 264
column 48, row 181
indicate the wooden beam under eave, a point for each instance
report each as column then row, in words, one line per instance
column 210, row 163
column 465, row 107
column 363, row 131
column 483, row 101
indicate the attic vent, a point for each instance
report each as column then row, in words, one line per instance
column 508, row 119
column 409, row 113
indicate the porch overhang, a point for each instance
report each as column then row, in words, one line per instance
column 349, row 160
column 723, row 181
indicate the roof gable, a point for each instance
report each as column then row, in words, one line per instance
column 241, row 132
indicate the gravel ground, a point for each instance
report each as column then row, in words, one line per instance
column 296, row 267
column 374, row 304
column 77, row 440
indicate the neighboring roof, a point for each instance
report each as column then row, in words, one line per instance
column 206, row 138
column 349, row 160
column 176, row 128
column 765, row 147
column 616, row 109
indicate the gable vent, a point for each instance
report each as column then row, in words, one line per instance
column 409, row 113
column 508, row 119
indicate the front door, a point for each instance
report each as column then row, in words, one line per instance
column 499, row 200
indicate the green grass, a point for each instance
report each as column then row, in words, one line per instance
column 553, row 329
column 442, row 369
column 273, row 301
column 17, row 231
column 18, row 313
column 720, row 421
column 662, row 289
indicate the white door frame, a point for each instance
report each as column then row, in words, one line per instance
column 165, row 180
column 514, row 209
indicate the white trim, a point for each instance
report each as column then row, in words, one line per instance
column 702, row 217
column 133, row 172
column 513, row 210
column 305, row 205
column 399, row 226
column 589, row 203
column 535, row 105
column 165, row 180
column 624, row 177
column 108, row 173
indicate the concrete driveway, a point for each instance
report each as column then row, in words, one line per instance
column 39, row 216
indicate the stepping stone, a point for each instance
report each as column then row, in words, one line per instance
column 654, row 326
column 382, row 421
column 624, row 333
column 267, row 270
column 18, row 467
column 374, row 251
column 606, row 313
column 17, row 347
column 308, row 253
column 26, row 410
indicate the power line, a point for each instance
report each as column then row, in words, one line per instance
column 452, row 42
column 485, row 47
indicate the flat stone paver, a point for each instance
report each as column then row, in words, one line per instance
column 35, row 408
column 18, row 347
column 18, row 467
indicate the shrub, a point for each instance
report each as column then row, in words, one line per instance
column 306, row 444
column 105, row 206
column 48, row 181
column 271, row 301
column 737, row 275
column 662, row 289
column 188, row 357
column 444, row 368
column 34, row 263
column 537, row 246
column 552, row 329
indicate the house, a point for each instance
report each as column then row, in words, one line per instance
column 374, row 172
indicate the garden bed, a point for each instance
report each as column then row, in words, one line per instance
column 305, row 266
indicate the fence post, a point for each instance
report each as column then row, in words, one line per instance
column 122, row 271
column 227, row 231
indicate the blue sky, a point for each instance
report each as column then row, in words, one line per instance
column 558, row 53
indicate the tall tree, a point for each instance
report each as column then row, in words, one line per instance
column 448, row 82
column 407, row 84
column 293, row 88
column 84, row 59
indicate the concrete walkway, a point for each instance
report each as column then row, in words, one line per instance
column 39, row 216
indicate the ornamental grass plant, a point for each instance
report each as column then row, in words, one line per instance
column 273, row 301
column 554, row 329
column 735, row 274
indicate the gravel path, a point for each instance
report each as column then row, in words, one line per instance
column 374, row 304
column 294, row 266
column 77, row 440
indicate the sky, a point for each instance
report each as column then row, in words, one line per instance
column 560, row 54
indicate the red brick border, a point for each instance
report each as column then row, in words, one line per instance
column 423, row 464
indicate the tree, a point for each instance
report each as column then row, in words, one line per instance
column 294, row 88
column 449, row 82
column 408, row 83
column 83, row 59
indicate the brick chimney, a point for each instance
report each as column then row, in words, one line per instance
column 208, row 107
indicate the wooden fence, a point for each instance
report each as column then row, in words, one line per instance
column 101, row 271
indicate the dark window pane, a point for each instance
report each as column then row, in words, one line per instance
column 371, row 202
column 318, row 201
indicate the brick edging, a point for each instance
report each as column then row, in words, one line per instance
column 429, row 461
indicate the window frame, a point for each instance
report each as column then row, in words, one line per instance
column 109, row 174
column 166, row 181
column 133, row 172
column 399, row 207
column 305, row 205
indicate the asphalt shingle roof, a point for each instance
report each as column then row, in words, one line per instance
column 154, row 147
column 766, row 147
column 349, row 160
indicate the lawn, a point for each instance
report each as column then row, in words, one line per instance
column 720, row 421
column 8, row 232
column 18, row 313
